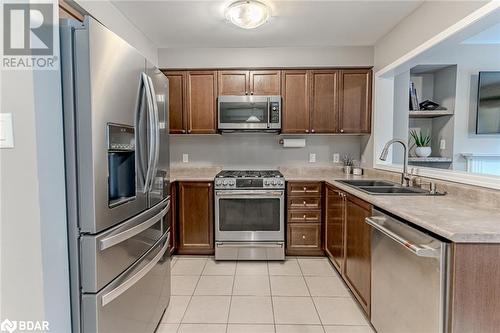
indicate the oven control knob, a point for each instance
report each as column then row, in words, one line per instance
column 224, row 183
column 274, row 183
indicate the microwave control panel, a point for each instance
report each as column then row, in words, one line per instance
column 275, row 112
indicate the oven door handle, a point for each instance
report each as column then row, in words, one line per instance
column 249, row 193
column 243, row 244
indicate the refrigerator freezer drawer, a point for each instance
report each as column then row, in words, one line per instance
column 135, row 301
column 107, row 255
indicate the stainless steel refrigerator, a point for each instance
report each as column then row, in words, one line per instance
column 117, row 173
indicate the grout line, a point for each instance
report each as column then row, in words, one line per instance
column 191, row 297
column 231, row 299
column 312, row 299
column 271, row 295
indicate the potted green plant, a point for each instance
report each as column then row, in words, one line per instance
column 348, row 162
column 423, row 142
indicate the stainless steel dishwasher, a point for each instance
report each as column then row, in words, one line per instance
column 409, row 278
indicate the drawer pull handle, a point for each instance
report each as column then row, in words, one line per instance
column 305, row 203
column 303, row 236
column 305, row 216
column 305, row 189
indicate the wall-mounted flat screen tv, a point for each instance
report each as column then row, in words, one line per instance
column 488, row 103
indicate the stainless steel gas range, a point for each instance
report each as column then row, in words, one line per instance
column 249, row 215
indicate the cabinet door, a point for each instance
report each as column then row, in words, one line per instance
column 355, row 101
column 335, row 226
column 173, row 217
column 200, row 102
column 176, row 101
column 357, row 268
column 265, row 83
column 295, row 87
column 324, row 90
column 233, row 82
column 196, row 220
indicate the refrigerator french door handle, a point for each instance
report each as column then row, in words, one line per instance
column 156, row 130
column 110, row 241
column 113, row 294
column 152, row 134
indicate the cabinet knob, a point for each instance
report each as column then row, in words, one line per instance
column 305, row 189
column 251, row 93
column 246, row 92
column 303, row 236
column 307, row 131
column 312, row 131
column 341, row 131
column 305, row 202
column 189, row 131
column 304, row 216
column 183, row 131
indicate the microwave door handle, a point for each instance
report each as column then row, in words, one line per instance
column 156, row 131
column 268, row 113
column 151, row 133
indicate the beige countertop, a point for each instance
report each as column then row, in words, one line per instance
column 453, row 217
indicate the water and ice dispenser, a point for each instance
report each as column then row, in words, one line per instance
column 121, row 164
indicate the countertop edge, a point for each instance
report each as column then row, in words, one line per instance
column 452, row 237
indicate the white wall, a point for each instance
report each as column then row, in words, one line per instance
column 431, row 18
column 256, row 150
column 427, row 21
column 266, row 57
column 470, row 59
column 34, row 260
column 109, row 15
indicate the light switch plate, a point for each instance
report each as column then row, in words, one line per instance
column 336, row 158
column 6, row 131
column 312, row 158
column 185, row 158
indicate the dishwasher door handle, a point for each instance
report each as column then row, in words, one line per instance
column 412, row 247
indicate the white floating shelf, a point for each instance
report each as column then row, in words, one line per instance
column 430, row 159
column 430, row 114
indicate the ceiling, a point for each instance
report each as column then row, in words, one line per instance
column 184, row 24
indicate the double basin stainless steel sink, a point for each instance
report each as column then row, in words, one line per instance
column 381, row 187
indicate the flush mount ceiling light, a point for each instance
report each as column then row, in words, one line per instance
column 248, row 14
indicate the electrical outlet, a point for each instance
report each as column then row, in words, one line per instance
column 336, row 158
column 312, row 158
column 185, row 158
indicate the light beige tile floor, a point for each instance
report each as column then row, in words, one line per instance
column 299, row 295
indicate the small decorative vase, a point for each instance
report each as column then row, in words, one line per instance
column 423, row 151
column 347, row 169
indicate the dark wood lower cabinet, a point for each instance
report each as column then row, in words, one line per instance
column 357, row 264
column 173, row 218
column 335, row 226
column 196, row 218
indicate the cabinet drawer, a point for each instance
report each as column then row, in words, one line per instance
column 304, row 189
column 304, row 216
column 304, row 235
column 304, row 203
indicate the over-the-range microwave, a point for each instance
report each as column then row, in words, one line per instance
column 249, row 113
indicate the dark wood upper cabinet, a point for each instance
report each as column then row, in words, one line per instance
column 355, row 100
column 196, row 218
column 335, row 226
column 233, row 82
column 357, row 265
column 246, row 82
column 295, row 91
column 201, row 94
column 265, row 82
column 176, row 101
column 324, row 101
